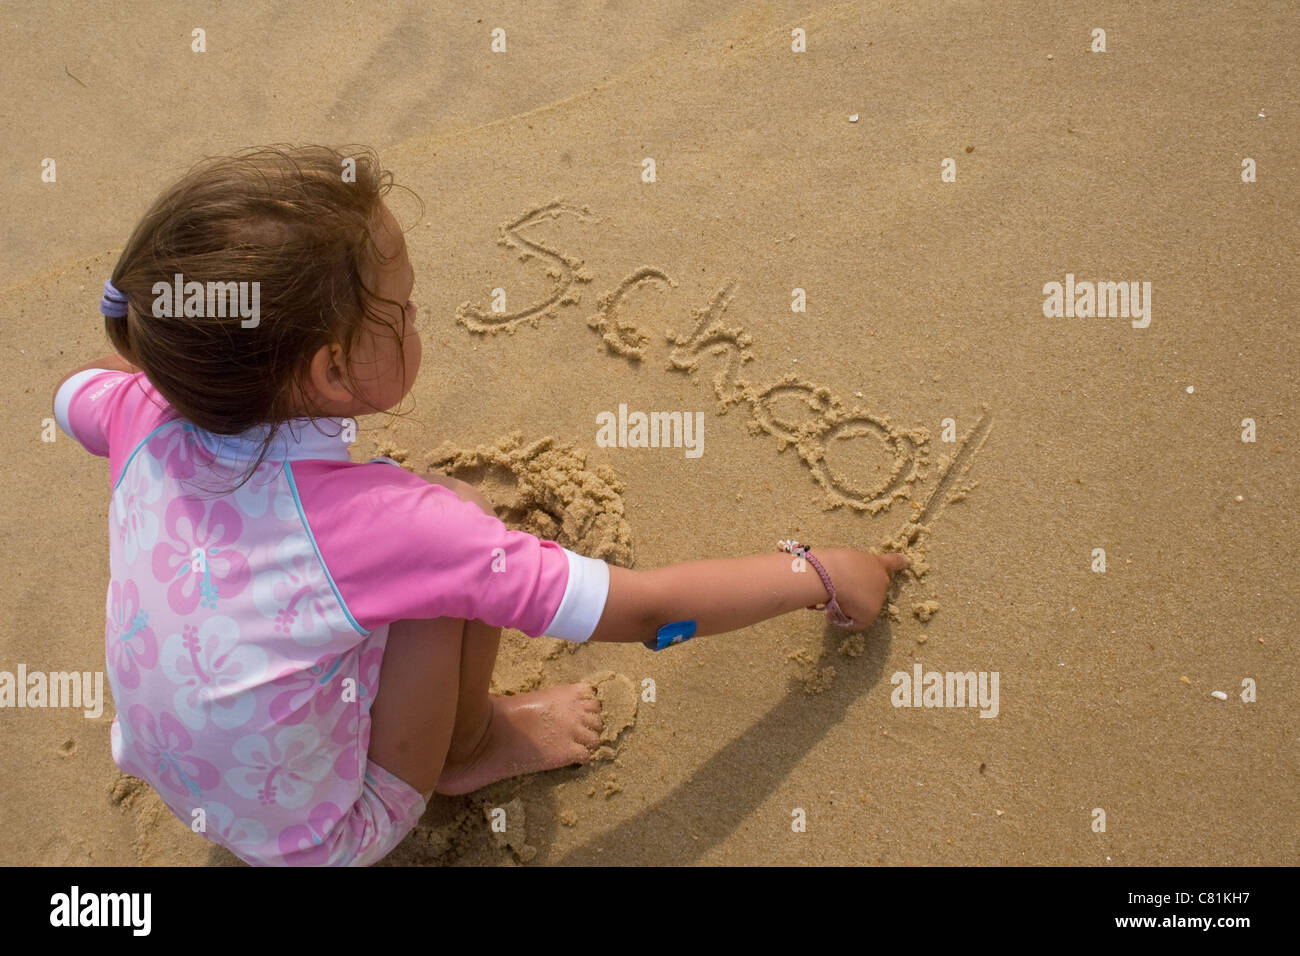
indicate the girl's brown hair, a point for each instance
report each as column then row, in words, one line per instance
column 298, row 221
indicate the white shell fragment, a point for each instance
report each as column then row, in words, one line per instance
column 853, row 118
column 1218, row 694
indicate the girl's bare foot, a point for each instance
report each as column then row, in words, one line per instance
column 542, row 730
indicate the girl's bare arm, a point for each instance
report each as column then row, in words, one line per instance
column 730, row 593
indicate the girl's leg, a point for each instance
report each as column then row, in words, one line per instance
column 500, row 737
column 424, row 693
column 414, row 713
column 478, row 658
column 434, row 724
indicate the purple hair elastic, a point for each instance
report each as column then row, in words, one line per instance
column 113, row 304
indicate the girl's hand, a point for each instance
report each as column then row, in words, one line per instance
column 862, row 582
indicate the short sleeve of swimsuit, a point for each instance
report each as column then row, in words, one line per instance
column 412, row 549
column 109, row 413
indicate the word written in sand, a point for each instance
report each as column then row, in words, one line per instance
column 828, row 435
column 642, row 430
column 1103, row 299
column 950, row 689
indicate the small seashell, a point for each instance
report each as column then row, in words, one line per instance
column 1240, row 498
column 1190, row 389
column 1218, row 695
column 853, row 118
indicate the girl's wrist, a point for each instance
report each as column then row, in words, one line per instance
column 837, row 563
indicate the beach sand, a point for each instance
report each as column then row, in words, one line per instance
column 924, row 322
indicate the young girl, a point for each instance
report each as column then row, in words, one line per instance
column 299, row 646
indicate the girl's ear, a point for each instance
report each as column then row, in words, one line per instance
column 325, row 382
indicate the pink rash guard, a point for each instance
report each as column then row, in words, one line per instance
column 246, row 630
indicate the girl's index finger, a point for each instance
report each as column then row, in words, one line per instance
column 894, row 561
